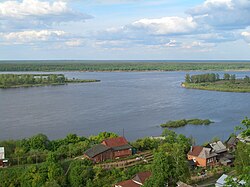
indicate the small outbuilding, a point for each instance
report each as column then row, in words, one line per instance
column 99, row 153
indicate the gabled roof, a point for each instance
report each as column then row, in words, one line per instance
column 115, row 142
column 96, row 150
column 201, row 152
column 141, row 177
column 206, row 153
column 127, row 183
column 218, row 147
column 195, row 150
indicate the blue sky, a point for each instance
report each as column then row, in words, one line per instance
column 125, row 29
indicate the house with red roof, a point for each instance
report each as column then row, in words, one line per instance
column 202, row 156
column 138, row 180
column 119, row 146
column 109, row 149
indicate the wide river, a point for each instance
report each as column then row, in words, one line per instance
column 137, row 102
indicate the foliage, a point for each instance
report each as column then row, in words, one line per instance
column 183, row 122
column 26, row 80
column 102, row 136
column 121, row 66
column 169, row 166
column 229, row 83
column 245, row 127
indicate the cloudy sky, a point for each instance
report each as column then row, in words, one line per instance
column 125, row 29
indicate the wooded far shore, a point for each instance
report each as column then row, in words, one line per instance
column 47, row 66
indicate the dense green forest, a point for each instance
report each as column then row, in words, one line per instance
column 183, row 122
column 119, row 66
column 26, row 80
column 212, row 81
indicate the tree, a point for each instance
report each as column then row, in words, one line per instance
column 226, row 76
column 169, row 166
column 232, row 78
column 80, row 173
column 187, row 78
column 39, row 142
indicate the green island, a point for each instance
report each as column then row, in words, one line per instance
column 39, row 161
column 183, row 122
column 30, row 80
column 213, row 82
column 122, row 66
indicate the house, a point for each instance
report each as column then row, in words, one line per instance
column 138, row 180
column 3, row 161
column 202, row 156
column 221, row 182
column 231, row 143
column 99, row 153
column 245, row 139
column 119, row 146
column 109, row 149
column 218, row 147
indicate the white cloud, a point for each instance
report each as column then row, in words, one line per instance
column 32, row 36
column 166, row 25
column 246, row 36
column 20, row 10
column 29, row 13
column 223, row 14
column 74, row 43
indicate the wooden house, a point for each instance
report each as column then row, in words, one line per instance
column 99, row 153
column 109, row 149
column 119, row 146
column 202, row 156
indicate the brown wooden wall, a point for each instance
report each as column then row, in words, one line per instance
column 122, row 153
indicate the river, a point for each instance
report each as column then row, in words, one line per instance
column 137, row 102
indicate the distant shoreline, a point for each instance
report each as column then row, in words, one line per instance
column 122, row 66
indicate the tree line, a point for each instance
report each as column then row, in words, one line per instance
column 118, row 66
column 7, row 80
column 213, row 77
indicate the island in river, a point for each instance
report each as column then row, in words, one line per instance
column 212, row 81
column 30, row 80
column 183, row 122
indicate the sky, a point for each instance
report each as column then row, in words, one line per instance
column 125, row 29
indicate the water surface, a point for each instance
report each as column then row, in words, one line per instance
column 137, row 102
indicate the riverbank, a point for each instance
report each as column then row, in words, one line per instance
column 220, row 86
column 122, row 66
column 34, row 80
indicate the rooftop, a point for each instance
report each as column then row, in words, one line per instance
column 218, row 147
column 127, row 183
column 96, row 150
column 141, row 177
column 115, row 142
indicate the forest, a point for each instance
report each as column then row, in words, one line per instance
column 213, row 82
column 119, row 66
column 26, row 80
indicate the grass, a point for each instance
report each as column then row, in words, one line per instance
column 222, row 85
column 183, row 122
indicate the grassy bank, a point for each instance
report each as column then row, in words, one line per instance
column 183, row 122
column 32, row 80
column 222, row 86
